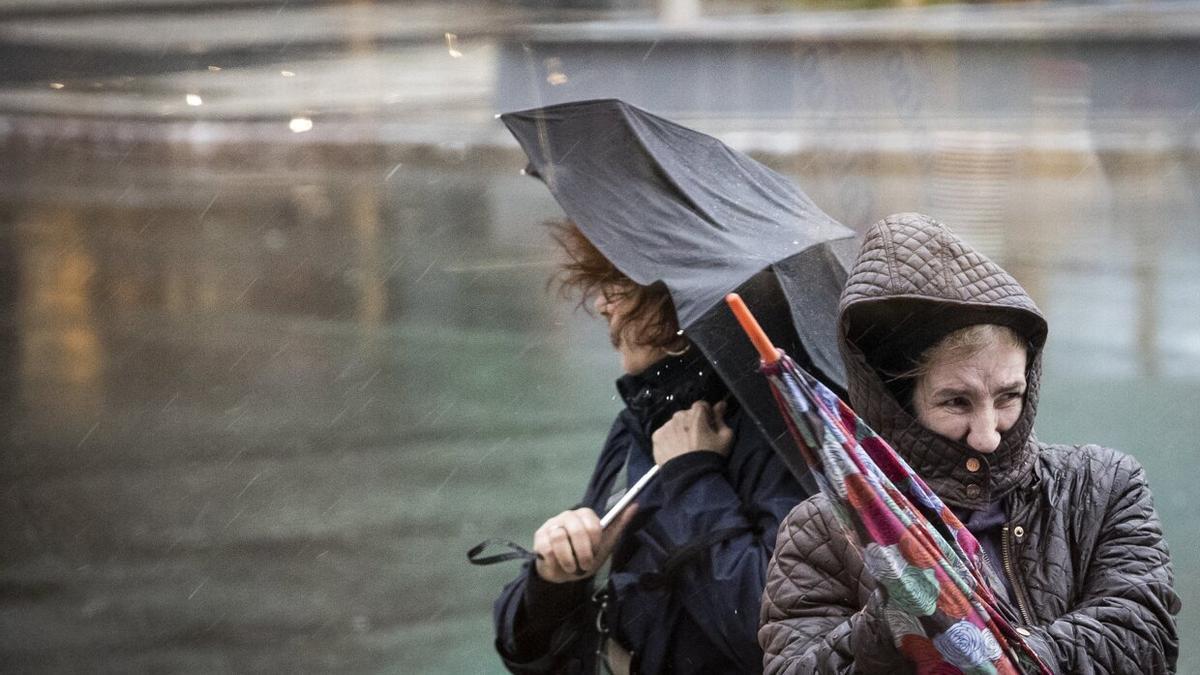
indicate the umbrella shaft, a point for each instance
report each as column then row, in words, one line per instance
column 628, row 497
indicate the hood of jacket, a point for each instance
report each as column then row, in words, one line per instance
column 914, row 282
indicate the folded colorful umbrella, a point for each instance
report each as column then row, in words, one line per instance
column 940, row 606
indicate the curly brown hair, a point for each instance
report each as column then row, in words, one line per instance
column 587, row 273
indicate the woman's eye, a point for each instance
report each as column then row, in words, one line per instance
column 1011, row 397
column 955, row 403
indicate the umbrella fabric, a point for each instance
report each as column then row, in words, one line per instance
column 940, row 607
column 665, row 203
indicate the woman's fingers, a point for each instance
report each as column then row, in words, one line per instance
column 552, row 544
column 719, row 414
column 548, row 567
column 684, row 422
column 579, row 539
column 700, row 427
column 704, row 414
column 560, row 545
column 715, row 435
column 573, row 543
column 566, row 545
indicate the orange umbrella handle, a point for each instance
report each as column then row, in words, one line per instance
column 766, row 350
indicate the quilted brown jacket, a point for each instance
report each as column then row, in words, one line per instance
column 1083, row 548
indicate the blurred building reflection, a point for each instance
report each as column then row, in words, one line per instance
column 276, row 339
column 62, row 352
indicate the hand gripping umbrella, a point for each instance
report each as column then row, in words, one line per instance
column 665, row 203
column 940, row 607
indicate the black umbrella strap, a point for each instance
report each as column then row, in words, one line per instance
column 516, row 552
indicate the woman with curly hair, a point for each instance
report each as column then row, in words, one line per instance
column 674, row 583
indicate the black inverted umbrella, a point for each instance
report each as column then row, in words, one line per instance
column 666, row 203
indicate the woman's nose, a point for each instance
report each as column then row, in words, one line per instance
column 984, row 434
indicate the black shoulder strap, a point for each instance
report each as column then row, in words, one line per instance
column 684, row 554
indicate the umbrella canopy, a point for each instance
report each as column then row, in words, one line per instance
column 665, row 203
column 940, row 606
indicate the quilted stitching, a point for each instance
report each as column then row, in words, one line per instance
column 1093, row 561
column 902, row 255
column 816, row 587
column 914, row 256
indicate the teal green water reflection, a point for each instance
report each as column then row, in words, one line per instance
column 255, row 417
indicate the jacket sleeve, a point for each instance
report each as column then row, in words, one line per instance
column 533, row 618
column 746, row 495
column 527, row 616
column 1124, row 619
column 813, row 616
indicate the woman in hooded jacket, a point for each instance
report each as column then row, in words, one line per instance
column 943, row 351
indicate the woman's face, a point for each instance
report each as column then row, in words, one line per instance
column 613, row 305
column 973, row 399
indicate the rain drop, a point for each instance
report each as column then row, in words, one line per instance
column 452, row 46
column 554, row 73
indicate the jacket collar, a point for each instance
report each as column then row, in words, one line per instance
column 668, row 386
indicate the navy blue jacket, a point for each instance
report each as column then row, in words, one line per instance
column 699, row 616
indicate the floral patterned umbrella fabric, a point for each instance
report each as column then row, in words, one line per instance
column 940, row 607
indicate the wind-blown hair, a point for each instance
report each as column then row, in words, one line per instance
column 586, row 273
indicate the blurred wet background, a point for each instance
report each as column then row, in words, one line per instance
column 276, row 344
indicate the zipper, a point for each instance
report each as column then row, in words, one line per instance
column 1010, row 572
